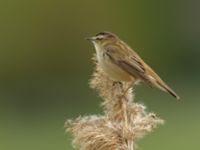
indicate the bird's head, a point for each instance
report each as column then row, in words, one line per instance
column 103, row 38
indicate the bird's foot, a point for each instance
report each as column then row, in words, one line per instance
column 118, row 83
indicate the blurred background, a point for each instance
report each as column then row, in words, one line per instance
column 45, row 65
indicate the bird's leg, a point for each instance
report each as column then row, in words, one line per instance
column 118, row 83
column 126, row 90
column 117, row 86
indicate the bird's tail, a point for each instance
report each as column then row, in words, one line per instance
column 156, row 81
column 163, row 86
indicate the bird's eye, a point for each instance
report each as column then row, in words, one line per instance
column 99, row 38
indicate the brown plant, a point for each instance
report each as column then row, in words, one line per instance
column 122, row 122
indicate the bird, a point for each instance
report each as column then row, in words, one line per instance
column 122, row 64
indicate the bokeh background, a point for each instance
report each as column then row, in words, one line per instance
column 45, row 65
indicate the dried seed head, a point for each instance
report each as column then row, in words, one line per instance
column 121, row 124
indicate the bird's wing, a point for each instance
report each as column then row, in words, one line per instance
column 126, row 61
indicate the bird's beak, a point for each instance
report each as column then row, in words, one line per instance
column 91, row 38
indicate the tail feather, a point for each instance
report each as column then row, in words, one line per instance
column 163, row 86
column 159, row 83
column 173, row 93
column 154, row 80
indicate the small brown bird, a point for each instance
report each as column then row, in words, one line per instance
column 121, row 63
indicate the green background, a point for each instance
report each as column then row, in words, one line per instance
column 45, row 65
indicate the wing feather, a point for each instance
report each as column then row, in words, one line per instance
column 129, row 63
